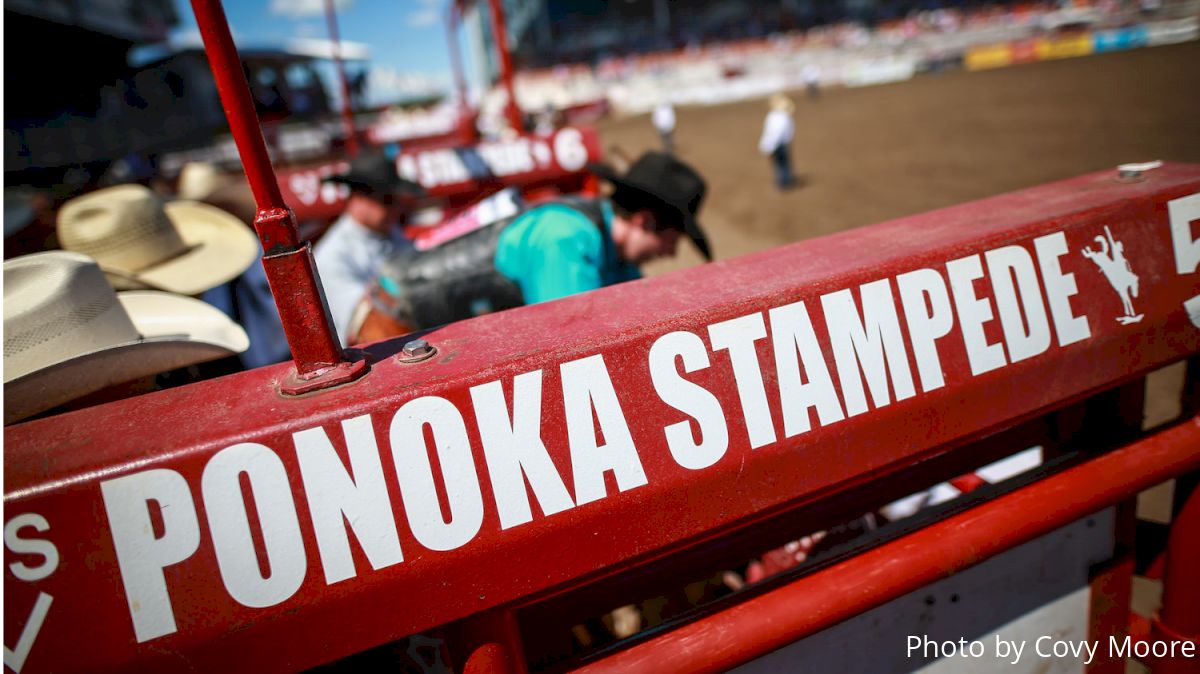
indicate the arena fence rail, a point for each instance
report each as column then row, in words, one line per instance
column 551, row 463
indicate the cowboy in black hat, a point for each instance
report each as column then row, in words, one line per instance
column 368, row 232
column 565, row 246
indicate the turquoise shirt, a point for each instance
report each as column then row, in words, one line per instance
column 553, row 251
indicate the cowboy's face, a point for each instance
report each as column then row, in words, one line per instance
column 377, row 212
column 644, row 241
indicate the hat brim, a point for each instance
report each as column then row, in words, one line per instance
column 688, row 221
column 400, row 188
column 176, row 332
column 220, row 247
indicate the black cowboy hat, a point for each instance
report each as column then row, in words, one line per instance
column 375, row 174
column 660, row 183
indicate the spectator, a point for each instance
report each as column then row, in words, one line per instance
column 778, row 130
column 68, row 334
column 351, row 252
column 555, row 249
column 664, row 123
column 812, row 80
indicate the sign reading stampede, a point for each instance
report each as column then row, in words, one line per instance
column 453, row 171
column 337, row 504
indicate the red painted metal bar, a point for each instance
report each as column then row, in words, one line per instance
column 278, row 232
column 756, row 627
column 290, row 269
column 500, row 35
column 1179, row 618
column 556, row 160
column 347, row 108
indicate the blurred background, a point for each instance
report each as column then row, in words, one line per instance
column 899, row 106
column 922, row 103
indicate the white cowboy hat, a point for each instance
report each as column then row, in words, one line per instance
column 67, row 333
column 183, row 247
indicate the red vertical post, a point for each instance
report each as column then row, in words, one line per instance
column 1179, row 619
column 460, row 81
column 500, row 35
column 288, row 262
column 464, row 118
column 347, row 108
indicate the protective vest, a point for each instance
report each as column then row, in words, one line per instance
column 457, row 279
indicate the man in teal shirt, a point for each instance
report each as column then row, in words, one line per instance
column 555, row 250
column 572, row 246
column 562, row 247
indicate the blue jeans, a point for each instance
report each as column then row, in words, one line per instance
column 781, row 157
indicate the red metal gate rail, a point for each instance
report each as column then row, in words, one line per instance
column 756, row 627
column 223, row 526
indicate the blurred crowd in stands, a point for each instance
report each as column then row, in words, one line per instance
column 719, row 67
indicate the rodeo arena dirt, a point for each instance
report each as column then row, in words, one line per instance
column 664, row 336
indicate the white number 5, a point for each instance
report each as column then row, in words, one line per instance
column 1183, row 212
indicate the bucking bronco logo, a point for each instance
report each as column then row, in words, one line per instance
column 1112, row 263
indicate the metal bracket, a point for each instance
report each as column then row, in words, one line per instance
column 296, row 384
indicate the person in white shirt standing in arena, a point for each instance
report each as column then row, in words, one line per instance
column 778, row 131
column 664, row 122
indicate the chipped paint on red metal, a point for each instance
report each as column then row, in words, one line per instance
column 319, row 358
column 228, row 481
column 456, row 172
column 294, row 284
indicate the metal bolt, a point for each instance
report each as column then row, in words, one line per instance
column 416, row 350
column 1136, row 172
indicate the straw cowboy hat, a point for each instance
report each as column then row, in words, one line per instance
column 781, row 102
column 183, row 247
column 199, row 179
column 664, row 185
column 67, row 333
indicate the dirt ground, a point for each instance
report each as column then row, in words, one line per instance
column 871, row 154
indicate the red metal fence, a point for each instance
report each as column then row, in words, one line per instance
column 223, row 525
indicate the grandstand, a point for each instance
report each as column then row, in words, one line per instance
column 631, row 55
column 549, row 32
